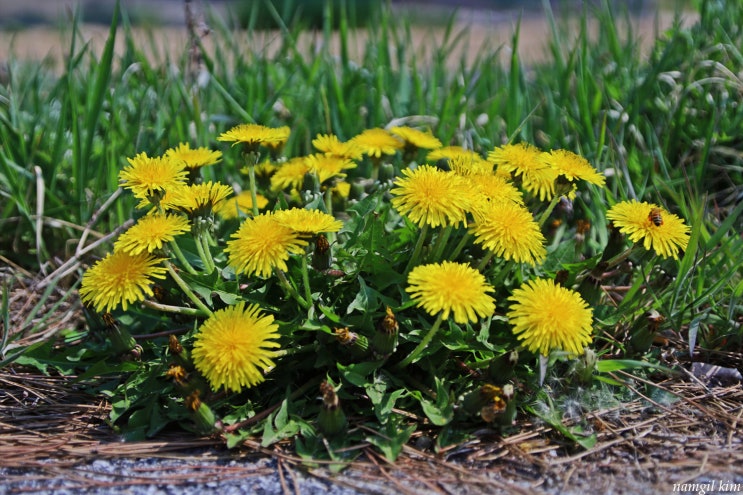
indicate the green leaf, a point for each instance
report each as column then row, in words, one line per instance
column 391, row 441
column 357, row 373
column 576, row 434
column 609, row 365
column 440, row 412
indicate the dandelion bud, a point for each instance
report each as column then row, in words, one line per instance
column 206, row 420
column 644, row 331
column 385, row 338
column 585, row 366
column 357, row 344
column 321, row 257
column 175, row 347
column 332, row 419
column 178, row 374
column 122, row 342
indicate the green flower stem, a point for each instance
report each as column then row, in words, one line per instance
column 457, row 250
column 202, row 245
column 621, row 257
column 180, row 310
column 505, row 270
column 182, row 259
column 423, row 343
column 186, row 289
column 306, row 278
column 418, row 248
column 289, row 288
column 546, row 213
column 438, row 248
column 295, row 350
column 376, row 164
column 485, row 260
column 329, row 207
column 252, row 159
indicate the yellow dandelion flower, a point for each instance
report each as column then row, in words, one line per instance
column 307, row 221
column 431, row 196
column 573, row 167
column 260, row 244
column 523, row 161
column 240, row 204
column 377, row 142
column 416, row 138
column 201, row 199
column 470, row 164
column 495, row 187
column 254, row 135
column 234, row 347
column 516, row 158
column 150, row 177
column 151, row 232
column 328, row 166
column 659, row 230
column 547, row 316
column 450, row 287
column 331, row 145
column 342, row 189
column 540, row 183
column 194, row 157
column 263, row 169
column 451, row 153
column 290, row 175
column 120, row 279
column 508, row 230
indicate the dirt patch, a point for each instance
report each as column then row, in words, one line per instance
column 482, row 30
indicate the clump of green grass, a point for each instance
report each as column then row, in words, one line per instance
column 662, row 130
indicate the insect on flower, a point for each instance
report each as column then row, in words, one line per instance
column 656, row 217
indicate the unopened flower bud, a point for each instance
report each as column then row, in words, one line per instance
column 332, row 419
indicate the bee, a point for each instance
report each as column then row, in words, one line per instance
column 656, row 217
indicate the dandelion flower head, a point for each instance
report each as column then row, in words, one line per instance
column 254, row 135
column 523, row 161
column 452, row 152
column 572, row 166
column 194, row 157
column 262, row 244
column 376, row 142
column 305, row 221
column 508, row 229
column 331, row 145
column 150, row 177
column 657, row 229
column 151, row 232
column 416, row 138
column 234, row 346
column 290, row 174
column 328, row 166
column 201, row 199
column 240, row 204
column 120, row 279
column 547, row 316
column 451, row 288
column 431, row 196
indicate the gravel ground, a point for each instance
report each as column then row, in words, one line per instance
column 187, row 476
column 139, row 476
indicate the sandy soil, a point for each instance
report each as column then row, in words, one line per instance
column 483, row 29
